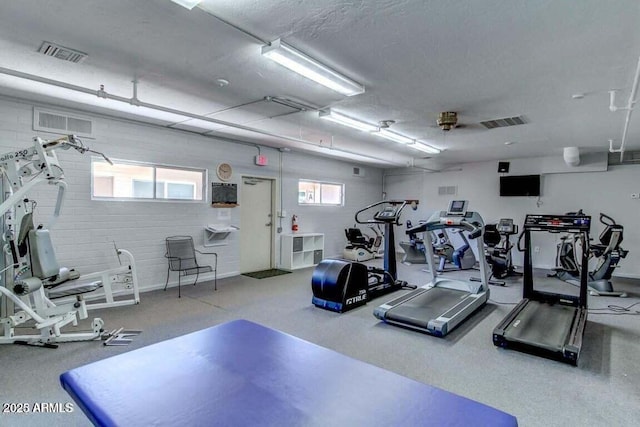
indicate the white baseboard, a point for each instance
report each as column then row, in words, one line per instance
column 174, row 283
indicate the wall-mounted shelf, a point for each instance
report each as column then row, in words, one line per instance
column 216, row 234
column 302, row 250
column 224, row 205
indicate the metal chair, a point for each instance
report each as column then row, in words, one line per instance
column 181, row 255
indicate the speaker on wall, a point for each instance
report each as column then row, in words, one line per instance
column 503, row 167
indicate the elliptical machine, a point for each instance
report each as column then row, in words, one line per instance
column 414, row 251
column 340, row 285
column 608, row 251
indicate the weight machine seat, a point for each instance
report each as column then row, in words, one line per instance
column 73, row 288
column 241, row 373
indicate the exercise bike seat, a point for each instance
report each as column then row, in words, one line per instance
column 356, row 238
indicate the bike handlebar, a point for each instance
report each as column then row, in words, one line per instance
column 396, row 219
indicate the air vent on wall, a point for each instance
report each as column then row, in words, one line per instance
column 61, row 52
column 450, row 190
column 505, row 122
column 358, row 171
column 62, row 123
column 629, row 158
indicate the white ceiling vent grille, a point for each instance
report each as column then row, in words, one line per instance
column 502, row 123
column 63, row 123
column 449, row 190
column 61, row 52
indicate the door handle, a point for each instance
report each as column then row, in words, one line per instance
column 268, row 224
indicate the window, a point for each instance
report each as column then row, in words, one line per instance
column 320, row 193
column 143, row 181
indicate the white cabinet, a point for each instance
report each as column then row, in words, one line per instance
column 302, row 250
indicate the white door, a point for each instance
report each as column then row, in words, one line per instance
column 256, row 224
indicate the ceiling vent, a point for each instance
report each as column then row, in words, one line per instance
column 62, row 123
column 503, row 123
column 61, row 52
column 629, row 158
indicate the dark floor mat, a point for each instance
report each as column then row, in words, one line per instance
column 263, row 274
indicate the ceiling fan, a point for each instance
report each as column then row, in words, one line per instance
column 448, row 120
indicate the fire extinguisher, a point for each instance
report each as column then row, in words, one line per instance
column 294, row 223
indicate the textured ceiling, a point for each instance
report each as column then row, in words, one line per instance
column 484, row 59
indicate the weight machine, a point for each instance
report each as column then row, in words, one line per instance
column 32, row 274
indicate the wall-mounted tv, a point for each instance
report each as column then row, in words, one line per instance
column 522, row 185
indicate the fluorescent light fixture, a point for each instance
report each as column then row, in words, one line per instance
column 189, row 4
column 332, row 116
column 308, row 67
column 395, row 137
column 425, row 148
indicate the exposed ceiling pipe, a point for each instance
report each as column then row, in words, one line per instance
column 101, row 93
column 629, row 108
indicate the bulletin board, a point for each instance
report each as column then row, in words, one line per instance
column 224, row 195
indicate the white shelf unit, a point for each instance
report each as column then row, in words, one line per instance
column 302, row 250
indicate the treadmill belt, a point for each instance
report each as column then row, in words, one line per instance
column 542, row 325
column 429, row 305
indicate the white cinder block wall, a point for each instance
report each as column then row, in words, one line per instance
column 594, row 192
column 85, row 233
column 360, row 191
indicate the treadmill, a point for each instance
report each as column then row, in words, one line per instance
column 439, row 306
column 548, row 324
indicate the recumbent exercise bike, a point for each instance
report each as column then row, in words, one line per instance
column 608, row 253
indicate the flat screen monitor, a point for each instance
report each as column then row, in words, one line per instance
column 457, row 207
column 523, row 185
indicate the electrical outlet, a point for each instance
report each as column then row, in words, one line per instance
column 635, row 195
column 536, row 249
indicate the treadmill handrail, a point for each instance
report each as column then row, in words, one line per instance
column 474, row 230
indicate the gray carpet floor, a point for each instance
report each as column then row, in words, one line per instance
column 603, row 390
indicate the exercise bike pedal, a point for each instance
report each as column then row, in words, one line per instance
column 405, row 285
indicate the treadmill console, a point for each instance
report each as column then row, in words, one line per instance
column 457, row 208
column 388, row 214
column 558, row 223
column 506, row 226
